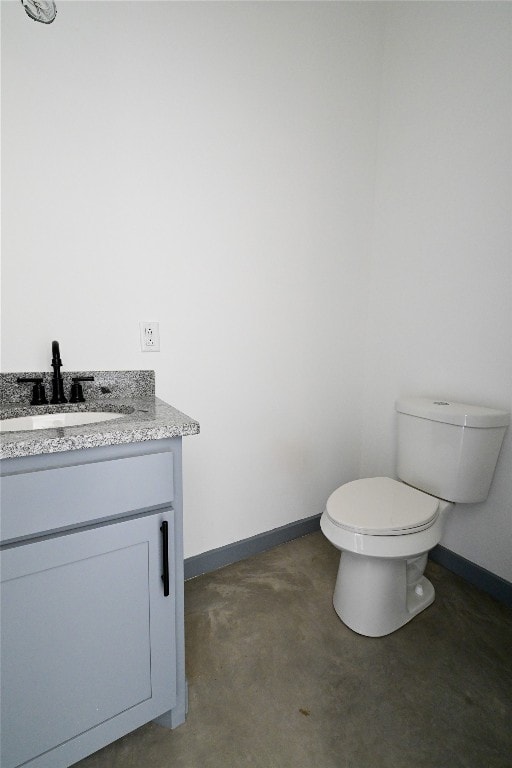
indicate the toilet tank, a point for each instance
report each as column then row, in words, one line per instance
column 449, row 449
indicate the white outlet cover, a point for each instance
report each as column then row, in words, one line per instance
column 149, row 336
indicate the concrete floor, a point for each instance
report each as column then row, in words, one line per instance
column 277, row 681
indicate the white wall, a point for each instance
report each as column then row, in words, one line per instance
column 210, row 166
column 440, row 300
column 214, row 166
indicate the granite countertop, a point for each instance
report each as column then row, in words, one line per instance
column 145, row 417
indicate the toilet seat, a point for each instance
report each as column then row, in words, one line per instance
column 380, row 506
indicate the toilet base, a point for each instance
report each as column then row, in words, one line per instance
column 375, row 596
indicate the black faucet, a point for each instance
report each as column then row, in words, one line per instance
column 77, row 393
column 57, row 383
column 38, row 393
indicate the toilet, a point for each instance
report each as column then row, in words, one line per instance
column 384, row 528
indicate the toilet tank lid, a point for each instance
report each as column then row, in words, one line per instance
column 450, row 412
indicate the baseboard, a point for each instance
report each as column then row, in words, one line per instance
column 206, row 562
column 494, row 585
column 232, row 553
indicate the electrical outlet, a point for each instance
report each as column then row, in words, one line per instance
column 149, row 336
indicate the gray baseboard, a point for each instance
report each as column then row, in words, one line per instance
column 239, row 550
column 206, row 562
column 494, row 585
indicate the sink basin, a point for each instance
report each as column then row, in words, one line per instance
column 53, row 420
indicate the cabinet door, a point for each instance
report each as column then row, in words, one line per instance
column 87, row 635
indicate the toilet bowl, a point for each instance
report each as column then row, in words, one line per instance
column 384, row 528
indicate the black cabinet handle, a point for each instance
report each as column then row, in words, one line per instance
column 165, row 546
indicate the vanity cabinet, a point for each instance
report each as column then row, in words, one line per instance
column 92, row 641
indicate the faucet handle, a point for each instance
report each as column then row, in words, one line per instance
column 38, row 393
column 77, row 393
